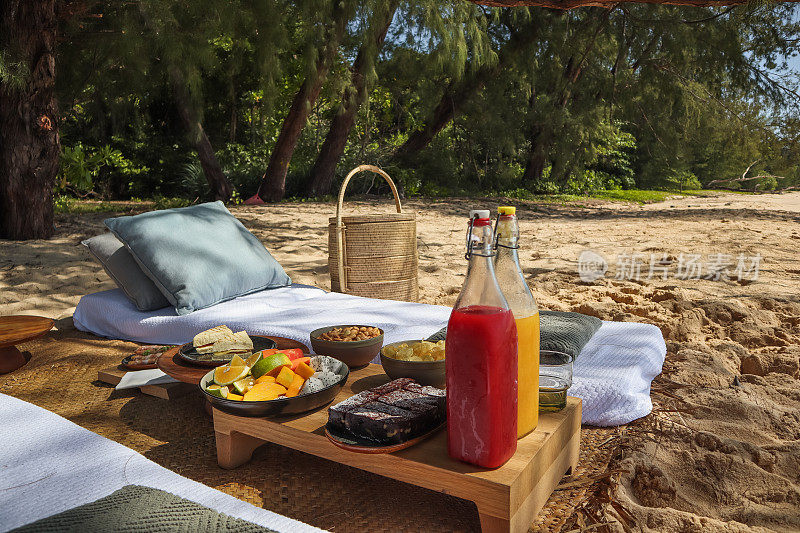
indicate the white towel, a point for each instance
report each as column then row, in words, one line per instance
column 612, row 373
column 291, row 312
column 49, row 465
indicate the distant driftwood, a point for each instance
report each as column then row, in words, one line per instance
column 569, row 4
column 711, row 184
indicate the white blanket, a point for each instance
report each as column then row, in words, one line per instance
column 612, row 373
column 49, row 465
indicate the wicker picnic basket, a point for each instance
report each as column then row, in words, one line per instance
column 380, row 251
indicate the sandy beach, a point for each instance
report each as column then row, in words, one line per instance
column 721, row 452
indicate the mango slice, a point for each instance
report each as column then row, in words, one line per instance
column 294, row 389
column 264, row 392
column 304, row 371
column 285, row 377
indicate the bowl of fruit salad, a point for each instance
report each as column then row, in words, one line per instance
column 274, row 383
column 422, row 361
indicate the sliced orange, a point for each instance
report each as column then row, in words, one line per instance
column 237, row 361
column 232, row 396
column 228, row 374
column 253, row 359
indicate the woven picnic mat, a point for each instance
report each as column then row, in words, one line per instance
column 62, row 377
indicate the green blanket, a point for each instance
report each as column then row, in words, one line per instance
column 559, row 331
column 141, row 509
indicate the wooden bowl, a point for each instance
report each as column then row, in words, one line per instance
column 352, row 353
column 423, row 372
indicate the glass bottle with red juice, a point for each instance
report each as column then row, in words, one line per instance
column 481, row 362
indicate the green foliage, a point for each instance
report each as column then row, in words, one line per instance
column 684, row 179
column 164, row 202
column 640, row 96
column 81, row 166
column 63, row 204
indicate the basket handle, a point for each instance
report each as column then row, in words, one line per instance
column 340, row 227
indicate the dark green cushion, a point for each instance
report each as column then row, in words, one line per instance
column 198, row 256
column 559, row 331
column 141, row 509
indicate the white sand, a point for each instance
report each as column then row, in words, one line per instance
column 714, row 456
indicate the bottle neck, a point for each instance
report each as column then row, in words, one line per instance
column 508, row 236
column 509, row 271
column 481, row 287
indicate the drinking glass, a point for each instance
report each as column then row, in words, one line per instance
column 555, row 377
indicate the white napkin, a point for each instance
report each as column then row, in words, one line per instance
column 132, row 380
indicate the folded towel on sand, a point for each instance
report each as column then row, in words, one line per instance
column 134, row 508
column 559, row 331
column 612, row 373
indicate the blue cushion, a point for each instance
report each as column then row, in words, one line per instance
column 198, row 256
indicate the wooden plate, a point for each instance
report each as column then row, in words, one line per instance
column 353, row 443
column 127, row 365
column 189, row 354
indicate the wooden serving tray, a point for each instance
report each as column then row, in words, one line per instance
column 508, row 498
column 165, row 391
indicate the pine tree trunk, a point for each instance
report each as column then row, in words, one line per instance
column 324, row 170
column 542, row 134
column 29, row 141
column 459, row 93
column 444, row 112
column 273, row 184
column 534, row 168
column 217, row 181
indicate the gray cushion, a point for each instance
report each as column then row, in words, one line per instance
column 126, row 272
column 198, row 256
column 565, row 332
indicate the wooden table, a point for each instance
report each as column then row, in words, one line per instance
column 508, row 498
column 16, row 330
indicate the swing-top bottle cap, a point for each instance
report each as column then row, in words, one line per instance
column 507, row 210
column 479, row 213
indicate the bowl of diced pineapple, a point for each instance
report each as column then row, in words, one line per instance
column 420, row 360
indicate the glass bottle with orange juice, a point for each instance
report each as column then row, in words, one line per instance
column 526, row 315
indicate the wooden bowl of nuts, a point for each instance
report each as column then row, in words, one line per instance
column 353, row 345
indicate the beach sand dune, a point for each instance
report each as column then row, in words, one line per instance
column 721, row 452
